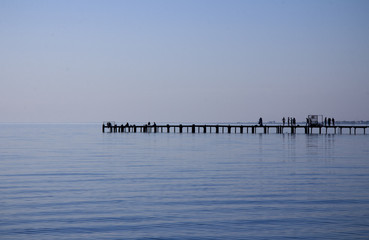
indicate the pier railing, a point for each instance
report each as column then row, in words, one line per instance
column 223, row 128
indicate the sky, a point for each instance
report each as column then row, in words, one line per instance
column 183, row 60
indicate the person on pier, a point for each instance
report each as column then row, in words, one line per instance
column 260, row 121
column 283, row 121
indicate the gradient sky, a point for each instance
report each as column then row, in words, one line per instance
column 183, row 61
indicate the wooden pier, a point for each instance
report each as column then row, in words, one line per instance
column 241, row 129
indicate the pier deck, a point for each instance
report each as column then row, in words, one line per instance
column 223, row 128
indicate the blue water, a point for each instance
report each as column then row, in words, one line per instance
column 70, row 181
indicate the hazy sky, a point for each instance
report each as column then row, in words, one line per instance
column 183, row 61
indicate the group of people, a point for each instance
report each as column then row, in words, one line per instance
column 129, row 125
column 329, row 121
column 290, row 121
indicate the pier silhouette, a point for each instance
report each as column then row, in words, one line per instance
column 112, row 127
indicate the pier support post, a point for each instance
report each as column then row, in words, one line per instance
column 241, row 129
column 180, row 128
column 168, row 128
column 205, row 129
column 216, row 129
column 193, row 128
column 229, row 129
column 103, row 128
column 265, row 130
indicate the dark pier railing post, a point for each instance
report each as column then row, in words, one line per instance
column 193, row 128
column 168, row 128
column 204, row 129
column 180, row 128
column 216, row 129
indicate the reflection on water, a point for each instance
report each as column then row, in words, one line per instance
column 72, row 182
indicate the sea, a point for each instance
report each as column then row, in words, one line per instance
column 71, row 181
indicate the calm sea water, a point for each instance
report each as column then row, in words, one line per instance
column 70, row 181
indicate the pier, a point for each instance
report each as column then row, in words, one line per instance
column 234, row 128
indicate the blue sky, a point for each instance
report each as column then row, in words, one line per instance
column 183, row 61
